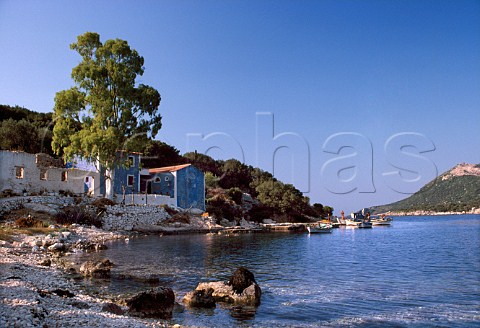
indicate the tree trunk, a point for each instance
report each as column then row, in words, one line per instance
column 109, row 181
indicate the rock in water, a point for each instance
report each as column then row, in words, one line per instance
column 241, row 279
column 153, row 303
column 97, row 269
column 200, row 298
column 222, row 292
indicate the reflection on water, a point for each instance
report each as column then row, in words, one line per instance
column 422, row 271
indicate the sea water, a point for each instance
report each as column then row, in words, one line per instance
column 422, row 271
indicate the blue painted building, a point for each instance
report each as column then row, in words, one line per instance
column 126, row 175
column 185, row 184
column 179, row 185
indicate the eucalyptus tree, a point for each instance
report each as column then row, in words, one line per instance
column 106, row 110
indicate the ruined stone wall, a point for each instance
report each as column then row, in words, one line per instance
column 13, row 203
column 36, row 173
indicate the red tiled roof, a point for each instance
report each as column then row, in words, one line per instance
column 168, row 168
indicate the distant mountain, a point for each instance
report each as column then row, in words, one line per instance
column 457, row 190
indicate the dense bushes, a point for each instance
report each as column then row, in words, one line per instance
column 236, row 195
column 260, row 212
column 25, row 130
column 221, row 206
column 78, row 215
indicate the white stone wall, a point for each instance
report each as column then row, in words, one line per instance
column 13, row 203
column 31, row 181
column 152, row 199
column 121, row 217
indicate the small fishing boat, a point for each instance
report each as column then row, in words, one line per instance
column 352, row 222
column 336, row 223
column 365, row 224
column 381, row 221
column 359, row 219
column 319, row 228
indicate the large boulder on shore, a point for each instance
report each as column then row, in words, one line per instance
column 96, row 269
column 200, row 298
column 241, row 279
column 223, row 292
column 154, row 303
column 241, row 289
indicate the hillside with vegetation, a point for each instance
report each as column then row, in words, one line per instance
column 25, row 130
column 457, row 190
column 233, row 190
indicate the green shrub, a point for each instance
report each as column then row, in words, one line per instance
column 222, row 207
column 236, row 195
column 259, row 212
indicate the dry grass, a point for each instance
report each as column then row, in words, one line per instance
column 9, row 233
column 29, row 222
column 24, row 213
column 102, row 202
column 179, row 217
column 6, row 235
column 18, row 222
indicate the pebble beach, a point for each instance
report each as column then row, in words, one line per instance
column 36, row 292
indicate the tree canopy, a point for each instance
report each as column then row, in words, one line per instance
column 25, row 130
column 158, row 154
column 106, row 111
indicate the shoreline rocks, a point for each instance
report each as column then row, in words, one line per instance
column 241, row 279
column 241, row 289
column 37, row 281
column 96, row 269
column 36, row 292
column 200, row 298
column 153, row 303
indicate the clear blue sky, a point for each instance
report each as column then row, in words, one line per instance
column 375, row 70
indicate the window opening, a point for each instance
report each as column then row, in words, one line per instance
column 43, row 174
column 130, row 180
column 19, row 172
column 131, row 160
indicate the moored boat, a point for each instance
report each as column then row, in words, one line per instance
column 336, row 223
column 352, row 222
column 319, row 228
column 365, row 224
column 381, row 221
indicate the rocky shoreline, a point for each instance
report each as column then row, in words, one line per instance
column 35, row 290
column 37, row 287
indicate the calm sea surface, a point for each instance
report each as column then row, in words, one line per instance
column 419, row 272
